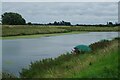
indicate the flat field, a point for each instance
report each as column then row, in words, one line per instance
column 23, row 30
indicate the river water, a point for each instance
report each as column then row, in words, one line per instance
column 19, row 53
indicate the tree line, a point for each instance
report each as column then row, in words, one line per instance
column 54, row 23
column 10, row 18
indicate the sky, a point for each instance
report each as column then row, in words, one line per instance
column 60, row 0
column 74, row 12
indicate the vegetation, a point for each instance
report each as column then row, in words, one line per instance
column 60, row 23
column 39, row 35
column 10, row 18
column 102, row 63
column 20, row 30
column 94, row 46
column 8, row 75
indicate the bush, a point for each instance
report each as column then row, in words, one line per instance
column 8, row 75
column 99, row 45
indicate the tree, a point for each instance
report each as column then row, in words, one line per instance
column 29, row 23
column 55, row 23
column 10, row 18
column 109, row 23
column 61, row 23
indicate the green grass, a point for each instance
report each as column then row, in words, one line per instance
column 40, row 35
column 7, row 75
column 29, row 30
column 106, row 67
column 23, row 30
column 102, row 63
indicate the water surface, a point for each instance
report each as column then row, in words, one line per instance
column 18, row 53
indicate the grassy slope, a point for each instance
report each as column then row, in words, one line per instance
column 101, row 63
column 105, row 67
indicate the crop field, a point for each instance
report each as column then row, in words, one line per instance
column 20, row 30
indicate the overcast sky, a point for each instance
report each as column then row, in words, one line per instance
column 60, row 0
column 77, row 12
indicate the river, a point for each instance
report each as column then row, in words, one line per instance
column 19, row 53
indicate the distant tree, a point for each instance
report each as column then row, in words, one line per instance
column 10, row 18
column 63, row 23
column 60, row 23
column 29, row 23
column 109, row 23
column 55, row 23
column 67, row 23
column 50, row 24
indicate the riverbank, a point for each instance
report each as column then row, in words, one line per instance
column 102, row 62
column 41, row 35
column 23, row 31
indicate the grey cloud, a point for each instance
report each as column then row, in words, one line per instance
column 82, row 12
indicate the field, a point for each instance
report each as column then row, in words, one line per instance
column 22, row 30
column 102, row 62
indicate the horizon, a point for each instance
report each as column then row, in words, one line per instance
column 76, row 13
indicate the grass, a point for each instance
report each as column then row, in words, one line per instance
column 0, row 75
column 106, row 67
column 100, row 63
column 8, row 75
column 23, row 30
column 39, row 35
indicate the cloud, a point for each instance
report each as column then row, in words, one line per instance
column 75, row 12
column 59, row 0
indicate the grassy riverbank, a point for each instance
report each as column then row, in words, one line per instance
column 100, row 63
column 23, row 30
column 41, row 35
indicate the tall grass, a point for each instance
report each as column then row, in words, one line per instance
column 104, row 67
column 19, row 30
column 95, row 64
column 8, row 75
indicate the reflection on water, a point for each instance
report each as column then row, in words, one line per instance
column 18, row 53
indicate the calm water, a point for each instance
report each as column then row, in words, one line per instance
column 18, row 53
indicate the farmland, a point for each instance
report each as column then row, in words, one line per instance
column 23, row 30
